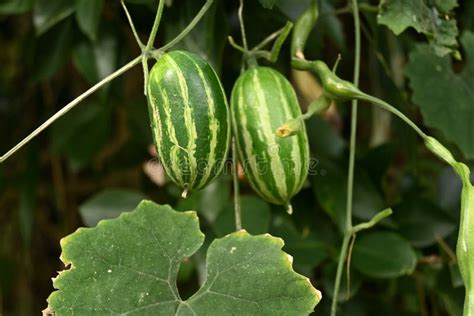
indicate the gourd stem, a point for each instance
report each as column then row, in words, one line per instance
column 340, row 269
column 242, row 27
column 352, row 148
column 132, row 26
column 235, row 175
column 156, row 23
column 268, row 40
column 392, row 109
column 149, row 44
column 190, row 26
column 71, row 105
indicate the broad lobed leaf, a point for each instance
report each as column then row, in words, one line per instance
column 129, row 266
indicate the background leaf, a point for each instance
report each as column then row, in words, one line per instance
column 445, row 97
column 53, row 49
column 422, row 222
column 108, row 204
column 441, row 30
column 383, row 255
column 208, row 38
column 255, row 216
column 15, row 6
column 88, row 16
column 48, row 13
column 82, row 133
column 268, row 4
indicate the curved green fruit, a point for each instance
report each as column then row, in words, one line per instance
column 189, row 119
column 263, row 100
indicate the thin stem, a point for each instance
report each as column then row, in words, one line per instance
column 350, row 183
column 69, row 106
column 340, row 268
column 348, row 265
column 446, row 248
column 242, row 27
column 190, row 26
column 145, row 73
column 392, row 109
column 235, row 45
column 373, row 221
column 235, row 174
column 156, row 23
column 268, row 39
column 352, row 148
column 149, row 44
column 132, row 26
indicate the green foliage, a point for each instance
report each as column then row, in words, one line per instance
column 49, row 13
column 88, row 16
column 439, row 27
column 443, row 95
column 268, row 4
column 87, row 128
column 131, row 265
column 383, row 255
column 97, row 162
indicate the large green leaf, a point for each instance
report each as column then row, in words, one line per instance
column 383, row 255
column 445, row 97
column 129, row 266
column 439, row 27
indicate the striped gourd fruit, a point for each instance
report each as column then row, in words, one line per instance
column 262, row 100
column 189, row 118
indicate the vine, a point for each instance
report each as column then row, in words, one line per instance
column 147, row 52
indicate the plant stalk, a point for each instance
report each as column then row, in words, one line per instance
column 149, row 45
column 350, row 177
column 70, row 105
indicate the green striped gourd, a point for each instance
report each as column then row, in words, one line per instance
column 262, row 100
column 189, row 118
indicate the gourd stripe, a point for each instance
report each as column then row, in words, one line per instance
column 295, row 153
column 175, row 149
column 188, row 120
column 225, row 121
column 247, row 144
column 156, row 129
column 303, row 144
column 213, row 123
column 276, row 165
